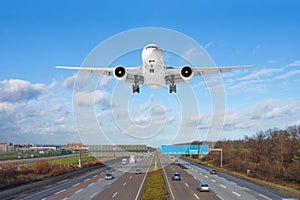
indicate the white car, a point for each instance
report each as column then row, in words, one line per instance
column 203, row 187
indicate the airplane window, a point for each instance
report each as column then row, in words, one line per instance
column 151, row 47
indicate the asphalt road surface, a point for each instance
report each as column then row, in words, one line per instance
column 125, row 185
column 129, row 185
column 229, row 187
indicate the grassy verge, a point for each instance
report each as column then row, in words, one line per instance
column 155, row 186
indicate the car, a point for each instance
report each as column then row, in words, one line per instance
column 213, row 171
column 203, row 187
column 176, row 176
column 109, row 176
column 138, row 171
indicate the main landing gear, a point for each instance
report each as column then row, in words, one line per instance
column 172, row 87
column 136, row 87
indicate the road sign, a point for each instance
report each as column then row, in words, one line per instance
column 175, row 149
column 203, row 149
column 193, row 149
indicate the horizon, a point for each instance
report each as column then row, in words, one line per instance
column 36, row 100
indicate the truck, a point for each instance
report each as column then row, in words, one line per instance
column 132, row 159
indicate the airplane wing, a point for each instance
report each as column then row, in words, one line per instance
column 129, row 76
column 92, row 70
column 175, row 72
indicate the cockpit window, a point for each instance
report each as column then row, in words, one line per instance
column 151, row 47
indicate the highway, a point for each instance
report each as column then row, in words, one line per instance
column 129, row 185
column 229, row 187
column 125, row 185
column 185, row 188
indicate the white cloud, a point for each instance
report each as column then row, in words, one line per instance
column 296, row 63
column 260, row 74
column 288, row 74
column 193, row 53
column 271, row 109
column 91, row 98
column 15, row 90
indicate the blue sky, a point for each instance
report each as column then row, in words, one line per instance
column 36, row 99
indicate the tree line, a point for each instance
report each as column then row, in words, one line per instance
column 272, row 155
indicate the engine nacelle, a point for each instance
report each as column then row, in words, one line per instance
column 120, row 72
column 186, row 73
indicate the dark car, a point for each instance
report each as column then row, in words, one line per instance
column 109, row 176
column 176, row 177
column 138, row 171
column 213, row 171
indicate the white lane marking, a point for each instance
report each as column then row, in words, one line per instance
column 95, row 176
column 130, row 177
column 246, row 188
column 200, row 173
column 86, row 180
column 94, row 195
column 196, row 170
column 44, row 199
column 233, row 183
column 237, row 194
column 220, row 197
column 75, row 184
column 115, row 194
column 196, row 196
column 213, row 180
column 78, row 191
column 60, row 191
column 206, row 176
column 223, row 186
column 145, row 176
column 91, row 184
column 65, row 198
column 264, row 196
column 124, row 183
column 187, row 185
column 101, row 173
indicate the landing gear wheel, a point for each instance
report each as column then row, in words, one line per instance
column 135, row 88
column 172, row 88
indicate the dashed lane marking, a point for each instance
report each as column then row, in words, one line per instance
column 78, row 191
column 75, row 184
column 237, row 194
column 60, row 191
column 213, row 180
column 86, row 180
column 196, row 196
column 124, row 183
column 91, row 184
column 95, row 194
column 220, row 197
column 264, row 196
column 115, row 194
column 246, row 188
column 223, row 186
column 187, row 185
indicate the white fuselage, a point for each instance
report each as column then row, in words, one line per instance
column 153, row 66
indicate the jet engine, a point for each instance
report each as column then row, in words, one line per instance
column 186, row 73
column 119, row 73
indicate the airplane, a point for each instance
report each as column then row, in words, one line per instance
column 153, row 72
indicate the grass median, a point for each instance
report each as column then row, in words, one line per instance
column 155, row 186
